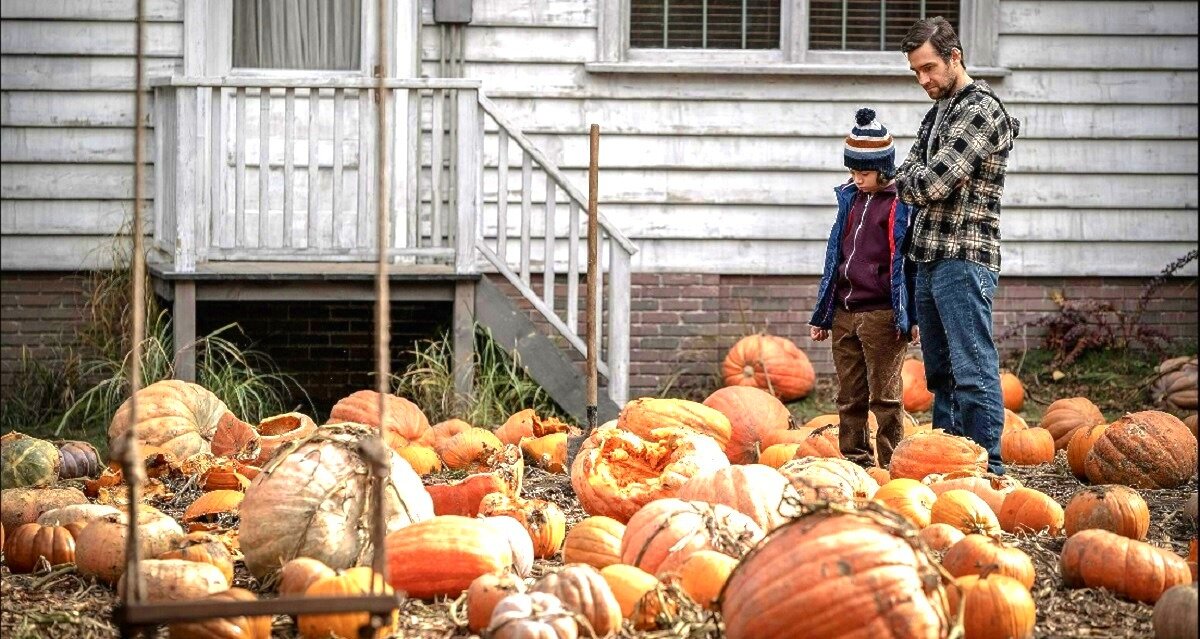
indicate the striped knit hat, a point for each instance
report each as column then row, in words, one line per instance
column 869, row 146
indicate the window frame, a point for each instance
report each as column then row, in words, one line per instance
column 977, row 29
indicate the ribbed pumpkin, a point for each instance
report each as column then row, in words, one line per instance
column 485, row 592
column 545, row 521
column 406, row 423
column 179, row 417
column 753, row 415
column 100, row 547
column 638, row 593
column 313, row 500
column 995, row 606
column 353, row 582
column 595, row 541
column 583, row 591
column 1080, row 445
column 1013, row 391
column 940, row 537
column 532, row 615
column 1150, row 449
column 965, row 511
column 935, row 452
column 826, row 479
column 462, row 497
column 908, row 497
column 1128, row 567
column 28, row 462
column 1063, row 416
column 798, row 581
column 443, row 555
column 1114, row 508
column 226, row 627
column 661, row 536
column 1028, row 511
column 992, row 489
column 1190, row 422
column 617, row 472
column 470, row 450
column 974, row 554
column 916, row 395
column 1175, row 387
column 774, row 364
column 778, row 455
column 79, row 459
column 703, row 575
column 754, row 490
column 441, row 432
column 204, row 548
column 821, row 442
column 1175, row 614
column 26, row 545
column 642, row 416
column 1028, row 447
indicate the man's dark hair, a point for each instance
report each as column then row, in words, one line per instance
column 938, row 32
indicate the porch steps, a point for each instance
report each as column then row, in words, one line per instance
column 546, row 362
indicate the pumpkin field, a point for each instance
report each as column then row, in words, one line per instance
column 735, row 516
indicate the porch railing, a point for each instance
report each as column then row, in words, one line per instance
column 273, row 169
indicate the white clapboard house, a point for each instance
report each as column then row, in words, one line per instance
column 721, row 130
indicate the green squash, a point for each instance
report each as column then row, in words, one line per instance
column 28, row 461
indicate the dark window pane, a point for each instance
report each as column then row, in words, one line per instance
column 869, row 25
column 704, row 24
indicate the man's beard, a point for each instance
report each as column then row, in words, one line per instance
column 942, row 91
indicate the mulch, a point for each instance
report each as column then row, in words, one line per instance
column 60, row 603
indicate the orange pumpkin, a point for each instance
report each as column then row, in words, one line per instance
column 470, row 450
column 441, row 432
column 1013, row 421
column 462, row 497
column 754, row 490
column 279, row 430
column 1114, row 508
column 527, row 423
column 778, row 455
column 703, row 575
column 406, row 422
column 1064, row 416
column 916, row 395
column 642, row 416
column 665, row 532
column 1080, row 445
column 1128, row 567
column 545, row 522
column 821, row 442
column 100, row 546
column 639, row 594
column 226, row 627
column 975, row 554
column 595, row 541
column 991, row 488
column 31, row 542
column 485, row 592
column 995, row 606
column 753, row 414
column 212, row 504
column 935, row 452
column 908, row 497
column 236, row 439
column 940, row 537
column 548, row 452
column 1013, row 391
column 617, row 472
column 298, row 574
column 965, row 511
column 774, row 364
column 443, row 555
column 1028, row 447
column 790, row 583
column 1150, row 449
column 423, row 459
column 353, row 582
column 1028, row 511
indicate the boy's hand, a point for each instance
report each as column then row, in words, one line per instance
column 818, row 334
column 915, row 332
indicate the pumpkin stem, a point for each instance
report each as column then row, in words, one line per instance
column 987, row 569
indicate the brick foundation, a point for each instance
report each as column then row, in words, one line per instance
column 683, row 324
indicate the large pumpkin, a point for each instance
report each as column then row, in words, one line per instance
column 665, row 532
column 1175, row 387
column 29, row 543
column 405, row 421
column 753, row 415
column 177, row 580
column 26, row 505
column 1064, row 416
column 100, row 546
column 179, row 417
column 753, row 489
column 443, row 555
column 470, row 450
column 1114, row 508
column 28, row 462
column 1175, row 614
column 1130, row 568
column 313, row 500
column 617, row 472
column 935, row 452
column 991, row 488
column 798, row 582
column 774, row 364
column 1149, row 449
column 643, row 416
column 916, row 395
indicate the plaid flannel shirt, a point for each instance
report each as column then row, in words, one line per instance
column 957, row 191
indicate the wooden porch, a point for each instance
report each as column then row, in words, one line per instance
column 265, row 190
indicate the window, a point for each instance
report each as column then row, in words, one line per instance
column 869, row 25
column 297, row 34
column 704, row 24
column 781, row 36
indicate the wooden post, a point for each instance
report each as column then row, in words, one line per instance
column 593, row 297
column 183, row 318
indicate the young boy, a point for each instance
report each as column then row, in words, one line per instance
column 865, row 297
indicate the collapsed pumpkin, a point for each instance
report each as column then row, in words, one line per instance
column 179, row 417
column 1149, row 449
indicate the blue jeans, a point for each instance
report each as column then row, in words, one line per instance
column 962, row 365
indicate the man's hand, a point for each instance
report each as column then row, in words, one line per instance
column 915, row 332
column 818, row 334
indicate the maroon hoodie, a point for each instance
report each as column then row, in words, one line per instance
column 864, row 269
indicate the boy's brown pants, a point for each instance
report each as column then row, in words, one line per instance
column 868, row 355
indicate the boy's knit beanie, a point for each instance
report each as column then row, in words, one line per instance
column 869, row 146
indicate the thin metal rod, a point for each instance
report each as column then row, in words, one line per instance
column 845, row 11
column 131, row 465
column 883, row 25
column 593, row 266
column 382, row 299
column 172, row 611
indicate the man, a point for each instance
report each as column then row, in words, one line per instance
column 954, row 176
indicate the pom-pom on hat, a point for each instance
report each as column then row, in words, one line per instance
column 869, row 146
